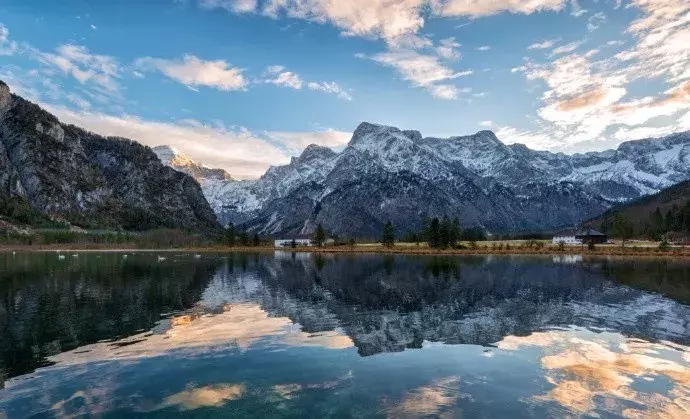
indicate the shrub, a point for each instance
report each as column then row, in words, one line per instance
column 664, row 245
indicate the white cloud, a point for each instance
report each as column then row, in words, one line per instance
column 544, row 44
column 391, row 20
column 625, row 134
column 239, row 151
column 684, row 122
column 7, row 47
column 236, row 6
column 331, row 88
column 443, row 91
column 478, row 8
column 484, row 48
column 448, row 49
column 486, row 123
column 387, row 19
column 93, row 27
column 286, row 79
column 296, row 142
column 567, row 48
column 76, row 60
column 595, row 21
column 192, row 71
column 422, row 71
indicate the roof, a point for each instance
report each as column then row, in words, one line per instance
column 590, row 232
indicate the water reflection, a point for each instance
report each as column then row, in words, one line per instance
column 295, row 334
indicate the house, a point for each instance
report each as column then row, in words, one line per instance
column 591, row 235
column 575, row 237
column 300, row 240
column 566, row 237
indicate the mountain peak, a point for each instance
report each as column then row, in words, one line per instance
column 171, row 156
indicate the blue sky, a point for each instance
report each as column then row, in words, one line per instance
column 244, row 84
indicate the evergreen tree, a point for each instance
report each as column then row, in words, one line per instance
column 388, row 237
column 686, row 218
column 319, row 236
column 230, row 236
column 455, row 232
column 622, row 228
column 433, row 233
column 256, row 240
column 444, row 234
column 657, row 224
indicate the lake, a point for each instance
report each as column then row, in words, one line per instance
column 314, row 335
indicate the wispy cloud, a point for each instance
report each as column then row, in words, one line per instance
column 423, row 71
column 549, row 43
column 77, row 61
column 331, row 88
column 193, row 71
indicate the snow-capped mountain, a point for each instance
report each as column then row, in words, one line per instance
column 170, row 156
column 388, row 174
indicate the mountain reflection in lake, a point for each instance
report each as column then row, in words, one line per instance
column 299, row 335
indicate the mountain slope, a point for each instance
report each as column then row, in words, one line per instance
column 90, row 180
column 388, row 174
column 640, row 210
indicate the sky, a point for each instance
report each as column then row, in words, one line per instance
column 246, row 84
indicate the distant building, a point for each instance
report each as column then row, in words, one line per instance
column 573, row 237
column 300, row 240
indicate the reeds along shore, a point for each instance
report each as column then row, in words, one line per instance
column 505, row 249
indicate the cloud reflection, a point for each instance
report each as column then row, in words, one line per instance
column 240, row 325
column 592, row 372
column 208, row 396
column 435, row 399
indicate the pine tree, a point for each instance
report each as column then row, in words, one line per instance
column 388, row 237
column 622, row 228
column 657, row 224
column 686, row 218
column 319, row 236
column 444, row 233
column 455, row 232
column 433, row 233
column 230, row 237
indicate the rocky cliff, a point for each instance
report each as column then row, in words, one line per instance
column 89, row 180
column 388, row 174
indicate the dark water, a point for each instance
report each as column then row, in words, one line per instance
column 282, row 335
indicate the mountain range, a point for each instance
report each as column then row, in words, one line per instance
column 76, row 176
column 385, row 173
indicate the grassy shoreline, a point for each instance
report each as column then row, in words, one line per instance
column 676, row 252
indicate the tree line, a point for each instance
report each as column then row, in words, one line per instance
column 655, row 227
column 438, row 233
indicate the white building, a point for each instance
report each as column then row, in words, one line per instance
column 300, row 241
column 567, row 237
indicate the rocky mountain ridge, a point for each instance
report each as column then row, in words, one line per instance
column 89, row 180
column 385, row 173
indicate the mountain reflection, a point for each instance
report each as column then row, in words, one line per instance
column 603, row 334
column 381, row 304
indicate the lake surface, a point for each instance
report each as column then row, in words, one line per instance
column 299, row 335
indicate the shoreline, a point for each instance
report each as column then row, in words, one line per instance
column 683, row 253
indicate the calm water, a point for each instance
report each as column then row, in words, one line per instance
column 282, row 335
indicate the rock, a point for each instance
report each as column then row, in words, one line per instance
column 92, row 181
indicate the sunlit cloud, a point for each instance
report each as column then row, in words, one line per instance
column 193, row 71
